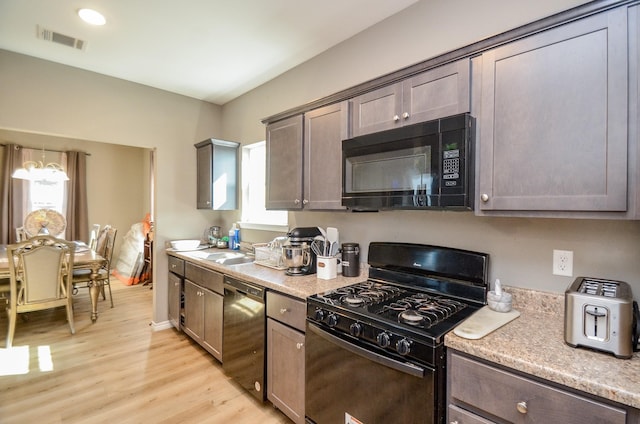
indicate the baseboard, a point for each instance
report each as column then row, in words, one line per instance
column 158, row 326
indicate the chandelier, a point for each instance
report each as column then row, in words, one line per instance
column 38, row 171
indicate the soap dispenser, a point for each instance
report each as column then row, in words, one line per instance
column 236, row 237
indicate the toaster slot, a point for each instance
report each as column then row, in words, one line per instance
column 596, row 322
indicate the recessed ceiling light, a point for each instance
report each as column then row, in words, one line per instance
column 92, row 17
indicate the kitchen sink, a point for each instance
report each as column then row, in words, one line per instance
column 229, row 258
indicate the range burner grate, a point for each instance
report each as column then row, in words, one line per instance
column 422, row 310
column 361, row 294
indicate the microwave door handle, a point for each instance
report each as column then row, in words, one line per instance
column 403, row 367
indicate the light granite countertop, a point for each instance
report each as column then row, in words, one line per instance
column 534, row 343
column 300, row 286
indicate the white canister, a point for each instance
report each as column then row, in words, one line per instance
column 327, row 267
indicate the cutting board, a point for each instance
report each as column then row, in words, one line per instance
column 483, row 322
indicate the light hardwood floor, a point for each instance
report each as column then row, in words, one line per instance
column 116, row 371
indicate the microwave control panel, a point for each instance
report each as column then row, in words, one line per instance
column 451, row 167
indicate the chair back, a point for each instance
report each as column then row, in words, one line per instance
column 41, row 272
column 93, row 236
column 21, row 234
column 101, row 241
column 109, row 244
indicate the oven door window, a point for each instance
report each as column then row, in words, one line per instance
column 406, row 170
column 353, row 382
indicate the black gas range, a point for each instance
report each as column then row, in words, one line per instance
column 391, row 326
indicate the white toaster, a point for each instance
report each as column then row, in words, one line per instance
column 599, row 314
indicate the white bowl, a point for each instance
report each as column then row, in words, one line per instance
column 185, row 244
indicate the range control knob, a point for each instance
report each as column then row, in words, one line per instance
column 355, row 329
column 403, row 347
column 333, row 320
column 383, row 339
column 319, row 315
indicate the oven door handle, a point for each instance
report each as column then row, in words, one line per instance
column 404, row 367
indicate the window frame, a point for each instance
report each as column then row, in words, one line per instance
column 248, row 219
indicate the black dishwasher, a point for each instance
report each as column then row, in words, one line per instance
column 244, row 334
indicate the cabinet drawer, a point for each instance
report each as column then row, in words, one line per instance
column 286, row 310
column 206, row 278
column 521, row 400
column 460, row 416
column 176, row 265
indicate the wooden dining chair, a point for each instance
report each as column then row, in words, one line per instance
column 40, row 278
column 104, row 247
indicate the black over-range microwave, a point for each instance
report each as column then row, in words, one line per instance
column 428, row 165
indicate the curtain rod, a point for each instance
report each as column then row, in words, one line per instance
column 46, row 150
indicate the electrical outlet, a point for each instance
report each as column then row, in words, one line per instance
column 563, row 263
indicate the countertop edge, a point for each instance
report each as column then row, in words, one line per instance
column 296, row 286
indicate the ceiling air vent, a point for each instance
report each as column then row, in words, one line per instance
column 56, row 37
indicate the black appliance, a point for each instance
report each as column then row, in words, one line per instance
column 243, row 346
column 303, row 236
column 428, row 165
column 375, row 350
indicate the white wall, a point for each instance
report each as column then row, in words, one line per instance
column 45, row 98
column 520, row 248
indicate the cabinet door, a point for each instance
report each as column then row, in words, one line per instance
column 193, row 310
column 324, row 129
column 217, row 173
column 437, row 93
column 285, row 369
column 204, row 172
column 284, row 164
column 377, row 110
column 175, row 292
column 553, row 124
column 212, row 334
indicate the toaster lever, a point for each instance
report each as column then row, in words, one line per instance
column 594, row 312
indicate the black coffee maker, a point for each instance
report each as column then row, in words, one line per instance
column 303, row 236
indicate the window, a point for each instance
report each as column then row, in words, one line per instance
column 44, row 193
column 254, row 214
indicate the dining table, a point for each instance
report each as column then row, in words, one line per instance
column 84, row 258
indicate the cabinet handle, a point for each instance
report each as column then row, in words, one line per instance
column 297, row 201
column 405, row 115
column 396, row 118
column 454, row 422
column 522, row 407
column 299, row 345
column 484, row 197
column 305, row 201
column 283, row 311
